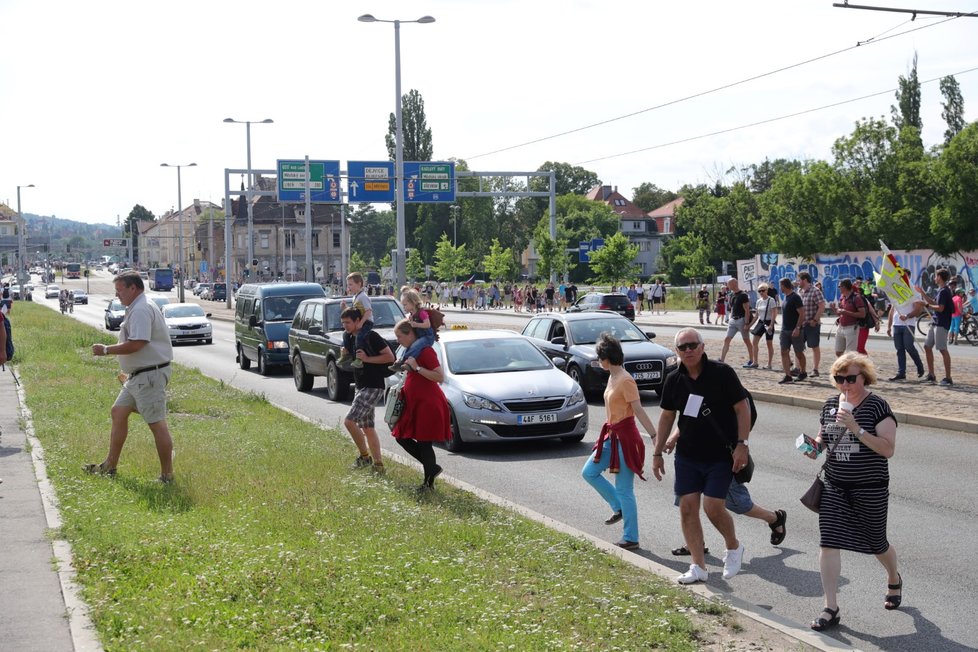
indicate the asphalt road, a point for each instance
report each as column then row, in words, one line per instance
column 932, row 520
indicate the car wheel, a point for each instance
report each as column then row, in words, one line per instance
column 209, row 340
column 243, row 361
column 262, row 365
column 303, row 381
column 337, row 383
column 455, row 444
column 575, row 373
column 573, row 439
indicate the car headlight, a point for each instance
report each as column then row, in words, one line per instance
column 672, row 361
column 281, row 344
column 576, row 397
column 595, row 363
column 480, row 403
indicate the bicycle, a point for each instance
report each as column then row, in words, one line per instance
column 969, row 328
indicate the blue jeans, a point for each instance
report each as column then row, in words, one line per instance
column 903, row 341
column 621, row 496
column 419, row 344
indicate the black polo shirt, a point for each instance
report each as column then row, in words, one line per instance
column 709, row 435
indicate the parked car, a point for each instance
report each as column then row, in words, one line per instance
column 316, row 341
column 200, row 287
column 115, row 312
column 158, row 299
column 262, row 317
column 571, row 337
column 50, row 292
column 613, row 301
column 218, row 292
column 500, row 387
column 80, row 297
column 15, row 292
column 187, row 322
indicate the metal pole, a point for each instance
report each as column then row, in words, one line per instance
column 183, row 266
column 21, row 246
column 210, row 246
column 228, row 224
column 310, row 272
column 251, row 214
column 553, row 217
column 344, row 245
column 399, row 160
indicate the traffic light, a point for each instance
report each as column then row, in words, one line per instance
column 68, row 248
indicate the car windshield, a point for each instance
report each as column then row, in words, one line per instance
column 281, row 308
column 159, row 301
column 386, row 313
column 494, row 356
column 116, row 306
column 587, row 331
column 183, row 311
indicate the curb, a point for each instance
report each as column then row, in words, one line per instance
column 84, row 637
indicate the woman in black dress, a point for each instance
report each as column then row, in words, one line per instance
column 858, row 429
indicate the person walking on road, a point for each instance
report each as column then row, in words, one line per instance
column 703, row 304
column 619, row 449
column 792, row 314
column 144, row 353
column 943, row 307
column 814, row 303
column 714, row 423
column 859, row 430
column 900, row 326
column 852, row 309
column 739, row 318
column 767, row 317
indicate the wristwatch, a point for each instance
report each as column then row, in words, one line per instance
column 861, row 433
column 744, row 442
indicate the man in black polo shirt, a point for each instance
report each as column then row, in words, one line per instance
column 714, row 425
column 739, row 320
column 369, row 378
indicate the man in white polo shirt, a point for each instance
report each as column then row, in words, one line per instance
column 144, row 353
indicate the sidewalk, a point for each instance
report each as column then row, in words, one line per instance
column 34, row 612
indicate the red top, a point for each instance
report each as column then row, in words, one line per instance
column 625, row 432
column 852, row 304
column 425, row 416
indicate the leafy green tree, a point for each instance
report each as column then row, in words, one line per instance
column 906, row 113
column 131, row 228
column 614, row 262
column 762, row 176
column 953, row 220
column 372, row 232
column 417, row 144
column 724, row 221
column 568, row 179
column 415, row 266
column 499, row 263
column 952, row 108
column 692, row 257
column 578, row 219
column 866, row 155
column 549, row 251
column 357, row 263
column 649, row 196
column 450, row 261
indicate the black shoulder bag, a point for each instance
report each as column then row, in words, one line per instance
column 812, row 499
column 744, row 475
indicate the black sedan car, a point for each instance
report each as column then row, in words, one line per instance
column 612, row 301
column 572, row 336
column 316, row 340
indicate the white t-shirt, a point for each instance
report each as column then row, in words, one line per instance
column 765, row 307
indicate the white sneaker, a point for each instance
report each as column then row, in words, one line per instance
column 693, row 575
column 731, row 562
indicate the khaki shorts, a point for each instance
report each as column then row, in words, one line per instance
column 146, row 393
column 936, row 338
column 846, row 339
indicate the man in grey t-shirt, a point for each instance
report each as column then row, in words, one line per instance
column 145, row 354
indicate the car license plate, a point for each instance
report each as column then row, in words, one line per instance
column 528, row 419
column 646, row 375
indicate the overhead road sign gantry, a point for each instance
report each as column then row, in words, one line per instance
column 370, row 181
column 324, row 181
column 429, row 181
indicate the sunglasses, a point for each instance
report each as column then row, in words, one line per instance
column 851, row 379
column 688, row 346
column 762, row 290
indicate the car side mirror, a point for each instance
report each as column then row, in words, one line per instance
column 560, row 363
column 650, row 335
column 559, row 341
column 207, row 314
column 315, row 330
column 252, row 321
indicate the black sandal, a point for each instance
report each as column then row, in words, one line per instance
column 820, row 624
column 893, row 601
column 683, row 551
column 778, row 537
column 614, row 518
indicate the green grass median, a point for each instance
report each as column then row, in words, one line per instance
column 268, row 540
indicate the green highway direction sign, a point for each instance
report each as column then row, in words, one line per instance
column 324, row 181
column 429, row 181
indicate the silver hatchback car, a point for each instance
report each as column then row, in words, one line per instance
column 500, row 387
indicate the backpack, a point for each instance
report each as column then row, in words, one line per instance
column 10, row 338
column 437, row 319
column 869, row 321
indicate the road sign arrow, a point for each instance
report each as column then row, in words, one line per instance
column 353, row 188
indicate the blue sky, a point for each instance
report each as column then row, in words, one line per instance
column 94, row 96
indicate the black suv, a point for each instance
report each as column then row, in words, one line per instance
column 571, row 338
column 613, row 301
column 316, row 341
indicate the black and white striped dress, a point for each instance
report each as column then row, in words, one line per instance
column 855, row 500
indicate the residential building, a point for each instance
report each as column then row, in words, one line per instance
column 636, row 225
column 665, row 216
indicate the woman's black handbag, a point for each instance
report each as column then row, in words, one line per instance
column 812, row 499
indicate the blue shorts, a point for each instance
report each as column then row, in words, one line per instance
column 708, row 478
column 738, row 498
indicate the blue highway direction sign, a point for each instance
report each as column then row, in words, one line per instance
column 370, row 181
column 324, row 181
column 429, row 181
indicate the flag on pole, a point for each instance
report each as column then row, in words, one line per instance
column 895, row 281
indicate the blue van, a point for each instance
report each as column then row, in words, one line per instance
column 262, row 317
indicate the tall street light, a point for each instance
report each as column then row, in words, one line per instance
column 183, row 266
column 22, row 276
column 455, row 208
column 248, row 191
column 398, row 138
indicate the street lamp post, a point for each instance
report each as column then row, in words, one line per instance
column 455, row 209
column 399, row 139
column 183, row 266
column 249, row 189
column 22, row 277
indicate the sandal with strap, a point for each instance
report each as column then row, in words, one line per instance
column 778, row 537
column 893, row 601
column 820, row 624
column 683, row 551
column 98, row 469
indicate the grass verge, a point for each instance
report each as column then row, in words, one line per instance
column 268, row 540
